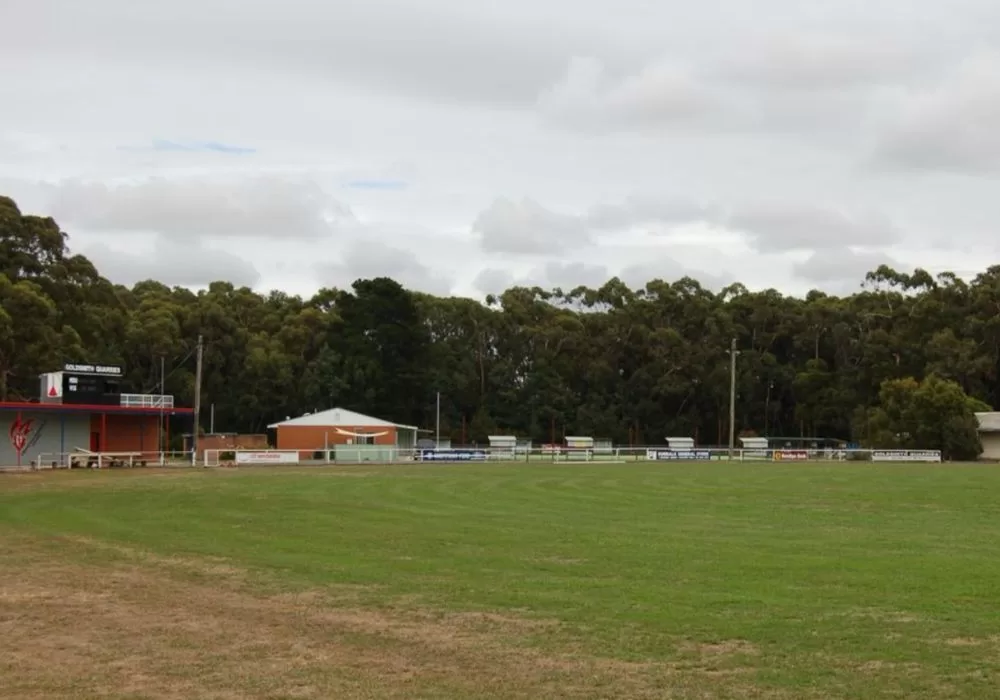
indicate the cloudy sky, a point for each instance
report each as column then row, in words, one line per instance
column 462, row 146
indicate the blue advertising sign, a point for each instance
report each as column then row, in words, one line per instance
column 678, row 455
column 452, row 455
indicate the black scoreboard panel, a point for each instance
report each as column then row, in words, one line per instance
column 96, row 389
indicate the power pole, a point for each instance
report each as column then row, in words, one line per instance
column 197, row 405
column 159, row 430
column 733, row 352
column 437, row 424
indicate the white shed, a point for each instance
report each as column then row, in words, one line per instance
column 989, row 434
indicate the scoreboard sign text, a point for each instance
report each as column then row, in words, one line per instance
column 104, row 370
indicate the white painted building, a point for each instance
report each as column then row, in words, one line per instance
column 989, row 434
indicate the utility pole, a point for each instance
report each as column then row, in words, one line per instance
column 159, row 430
column 437, row 424
column 211, row 419
column 767, row 408
column 197, row 405
column 733, row 352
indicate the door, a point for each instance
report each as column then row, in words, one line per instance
column 95, row 441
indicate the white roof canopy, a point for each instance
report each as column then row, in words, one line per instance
column 339, row 418
column 989, row 422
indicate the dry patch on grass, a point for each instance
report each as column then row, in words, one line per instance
column 729, row 647
column 136, row 627
column 879, row 667
column 87, row 478
column 992, row 641
column 888, row 616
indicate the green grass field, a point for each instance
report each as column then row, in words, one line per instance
column 503, row 581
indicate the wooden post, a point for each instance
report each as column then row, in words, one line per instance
column 19, row 451
column 102, row 443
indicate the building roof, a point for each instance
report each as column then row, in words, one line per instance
column 340, row 418
column 90, row 408
column 989, row 422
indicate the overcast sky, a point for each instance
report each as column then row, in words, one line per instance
column 461, row 146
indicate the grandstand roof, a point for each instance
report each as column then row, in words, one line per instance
column 340, row 418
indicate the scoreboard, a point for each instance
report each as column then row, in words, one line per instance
column 95, row 384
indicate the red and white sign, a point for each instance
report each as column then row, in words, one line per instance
column 791, row 455
column 52, row 385
column 267, row 457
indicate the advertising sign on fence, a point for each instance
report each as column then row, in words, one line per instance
column 453, row 455
column 267, row 457
column 791, row 455
column 906, row 456
column 678, row 455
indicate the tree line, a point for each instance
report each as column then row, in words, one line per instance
column 630, row 365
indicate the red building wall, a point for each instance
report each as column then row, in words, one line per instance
column 310, row 438
column 123, row 433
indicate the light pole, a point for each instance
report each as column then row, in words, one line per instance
column 767, row 408
column 733, row 352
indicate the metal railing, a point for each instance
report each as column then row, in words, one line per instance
column 101, row 460
column 620, row 455
column 473, row 455
column 147, row 400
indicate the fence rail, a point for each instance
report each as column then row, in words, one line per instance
column 390, row 455
column 147, row 400
column 350, row 455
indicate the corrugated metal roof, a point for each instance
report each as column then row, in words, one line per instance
column 340, row 417
column 989, row 422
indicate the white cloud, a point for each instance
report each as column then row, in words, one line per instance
column 639, row 274
column 951, row 126
column 366, row 260
column 256, row 207
column 173, row 263
column 647, row 139
column 659, row 94
column 636, row 210
column 816, row 61
column 842, row 266
column 507, row 226
column 491, row 280
column 789, row 226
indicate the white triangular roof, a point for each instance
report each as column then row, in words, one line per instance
column 989, row 422
column 340, row 418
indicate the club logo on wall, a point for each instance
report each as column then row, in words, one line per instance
column 24, row 434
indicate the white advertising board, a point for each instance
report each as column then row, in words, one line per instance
column 267, row 457
column 906, row 456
